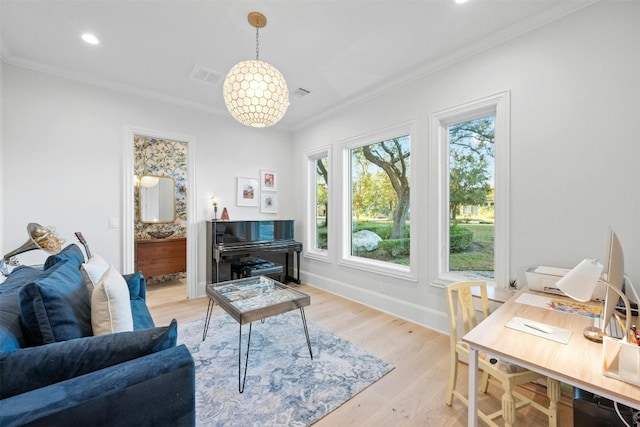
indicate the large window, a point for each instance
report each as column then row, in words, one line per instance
column 473, row 175
column 380, row 201
column 471, row 201
column 377, row 202
column 322, row 203
column 318, row 204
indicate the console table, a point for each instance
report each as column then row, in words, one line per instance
column 155, row 257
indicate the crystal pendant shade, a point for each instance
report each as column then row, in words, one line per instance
column 256, row 93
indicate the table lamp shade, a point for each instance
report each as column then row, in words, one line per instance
column 580, row 282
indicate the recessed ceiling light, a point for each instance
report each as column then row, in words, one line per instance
column 90, row 38
column 461, row 1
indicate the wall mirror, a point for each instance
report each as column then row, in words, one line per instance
column 157, row 199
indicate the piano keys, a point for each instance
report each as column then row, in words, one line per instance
column 229, row 241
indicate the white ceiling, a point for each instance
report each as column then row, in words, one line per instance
column 340, row 50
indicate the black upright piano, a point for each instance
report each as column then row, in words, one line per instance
column 230, row 241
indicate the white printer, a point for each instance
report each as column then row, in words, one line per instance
column 544, row 279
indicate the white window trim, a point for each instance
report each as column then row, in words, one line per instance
column 311, row 250
column 348, row 260
column 500, row 105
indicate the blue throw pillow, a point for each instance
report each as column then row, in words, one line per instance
column 56, row 306
column 68, row 253
column 11, row 334
column 133, row 282
column 141, row 316
column 31, row 368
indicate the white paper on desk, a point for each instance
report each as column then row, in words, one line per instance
column 534, row 300
column 558, row 335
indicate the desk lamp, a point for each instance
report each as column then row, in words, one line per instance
column 580, row 283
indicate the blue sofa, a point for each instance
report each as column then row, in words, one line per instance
column 53, row 372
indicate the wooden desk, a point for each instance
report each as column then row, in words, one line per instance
column 578, row 363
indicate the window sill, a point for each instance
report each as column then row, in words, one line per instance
column 396, row 271
column 318, row 256
column 494, row 293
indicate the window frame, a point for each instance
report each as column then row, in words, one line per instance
column 346, row 259
column 311, row 250
column 439, row 122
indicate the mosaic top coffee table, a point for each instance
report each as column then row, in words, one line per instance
column 251, row 299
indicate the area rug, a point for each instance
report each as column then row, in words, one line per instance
column 284, row 386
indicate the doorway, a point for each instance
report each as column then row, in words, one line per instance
column 162, row 157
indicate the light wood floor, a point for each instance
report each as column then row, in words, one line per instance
column 412, row 394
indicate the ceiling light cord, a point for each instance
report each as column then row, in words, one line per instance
column 257, row 44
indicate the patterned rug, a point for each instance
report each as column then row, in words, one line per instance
column 284, row 387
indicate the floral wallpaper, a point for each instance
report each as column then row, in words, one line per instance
column 162, row 157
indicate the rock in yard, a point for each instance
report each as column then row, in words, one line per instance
column 365, row 240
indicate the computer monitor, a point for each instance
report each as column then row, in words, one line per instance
column 614, row 274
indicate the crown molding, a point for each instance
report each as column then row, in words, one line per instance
column 132, row 90
column 408, row 76
column 127, row 89
column 399, row 79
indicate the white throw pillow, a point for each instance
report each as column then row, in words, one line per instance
column 110, row 305
column 93, row 270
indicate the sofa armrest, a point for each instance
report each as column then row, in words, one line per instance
column 31, row 368
column 155, row 390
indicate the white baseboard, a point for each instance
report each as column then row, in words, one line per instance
column 410, row 311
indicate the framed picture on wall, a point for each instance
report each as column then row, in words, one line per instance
column 268, row 180
column 248, row 193
column 268, row 202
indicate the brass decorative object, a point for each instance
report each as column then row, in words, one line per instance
column 40, row 237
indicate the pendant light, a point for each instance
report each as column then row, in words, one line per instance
column 255, row 92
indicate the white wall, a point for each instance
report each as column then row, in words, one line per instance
column 575, row 151
column 63, row 146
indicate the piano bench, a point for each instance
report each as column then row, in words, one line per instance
column 236, row 267
column 264, row 269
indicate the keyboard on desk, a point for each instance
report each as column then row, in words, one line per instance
column 613, row 328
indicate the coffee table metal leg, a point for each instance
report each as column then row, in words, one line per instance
column 246, row 360
column 207, row 319
column 306, row 331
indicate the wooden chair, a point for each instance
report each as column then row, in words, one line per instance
column 508, row 377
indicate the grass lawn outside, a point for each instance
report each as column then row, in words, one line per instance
column 477, row 259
